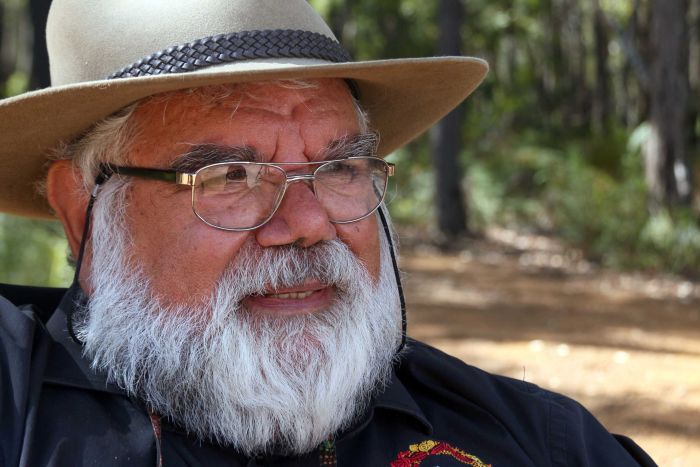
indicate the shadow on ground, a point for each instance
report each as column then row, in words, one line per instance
column 631, row 355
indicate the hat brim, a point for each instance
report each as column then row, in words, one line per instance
column 403, row 98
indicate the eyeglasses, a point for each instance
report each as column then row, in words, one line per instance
column 240, row 196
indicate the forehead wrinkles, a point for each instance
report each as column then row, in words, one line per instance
column 181, row 106
column 173, row 116
column 321, row 93
column 294, row 107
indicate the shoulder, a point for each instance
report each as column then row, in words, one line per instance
column 42, row 300
column 23, row 338
column 21, row 327
column 22, row 317
column 17, row 325
column 437, row 372
column 542, row 422
column 23, row 346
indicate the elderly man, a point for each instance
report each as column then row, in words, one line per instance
column 216, row 166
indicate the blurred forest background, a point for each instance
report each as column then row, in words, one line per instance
column 553, row 220
column 586, row 129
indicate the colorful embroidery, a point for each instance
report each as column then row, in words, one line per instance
column 417, row 453
column 327, row 457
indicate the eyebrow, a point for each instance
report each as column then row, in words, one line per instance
column 363, row 144
column 206, row 154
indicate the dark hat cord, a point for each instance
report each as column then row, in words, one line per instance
column 397, row 275
column 101, row 178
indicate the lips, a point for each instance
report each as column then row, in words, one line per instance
column 307, row 298
column 291, row 295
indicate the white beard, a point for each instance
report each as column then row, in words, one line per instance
column 257, row 383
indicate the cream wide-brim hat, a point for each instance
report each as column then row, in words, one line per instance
column 155, row 46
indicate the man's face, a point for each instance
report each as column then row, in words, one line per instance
column 272, row 368
column 184, row 257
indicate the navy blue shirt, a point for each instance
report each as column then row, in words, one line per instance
column 436, row 411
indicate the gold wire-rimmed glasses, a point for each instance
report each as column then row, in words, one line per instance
column 241, row 196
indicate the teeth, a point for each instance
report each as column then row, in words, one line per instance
column 292, row 295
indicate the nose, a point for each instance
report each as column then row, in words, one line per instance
column 299, row 219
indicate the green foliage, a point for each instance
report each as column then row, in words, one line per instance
column 671, row 241
column 533, row 155
column 372, row 29
column 590, row 193
column 597, row 207
column 33, row 252
column 594, row 210
column 16, row 84
column 410, row 197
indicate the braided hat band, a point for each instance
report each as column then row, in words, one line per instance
column 238, row 46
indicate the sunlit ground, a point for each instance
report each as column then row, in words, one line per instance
column 626, row 346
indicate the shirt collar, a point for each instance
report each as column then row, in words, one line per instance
column 394, row 397
column 66, row 365
column 397, row 398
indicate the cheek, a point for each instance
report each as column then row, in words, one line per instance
column 363, row 240
column 182, row 256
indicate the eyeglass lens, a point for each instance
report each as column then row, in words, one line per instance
column 245, row 195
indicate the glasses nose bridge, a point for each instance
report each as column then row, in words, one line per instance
column 299, row 178
column 309, row 178
column 289, row 179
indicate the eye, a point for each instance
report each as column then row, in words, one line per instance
column 236, row 174
column 342, row 169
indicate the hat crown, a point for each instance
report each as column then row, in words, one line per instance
column 89, row 40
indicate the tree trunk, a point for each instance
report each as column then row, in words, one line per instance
column 341, row 21
column 694, row 71
column 40, row 77
column 4, row 71
column 578, row 111
column 554, row 70
column 667, row 169
column 602, row 105
column 446, row 140
column 634, row 83
column 635, row 75
column 642, row 42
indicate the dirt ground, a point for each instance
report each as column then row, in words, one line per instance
column 626, row 346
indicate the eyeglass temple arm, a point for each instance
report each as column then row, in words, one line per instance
column 171, row 175
column 165, row 175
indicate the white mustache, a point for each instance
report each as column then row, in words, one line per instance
column 258, row 271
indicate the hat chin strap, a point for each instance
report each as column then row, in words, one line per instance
column 104, row 176
column 397, row 275
column 101, row 178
